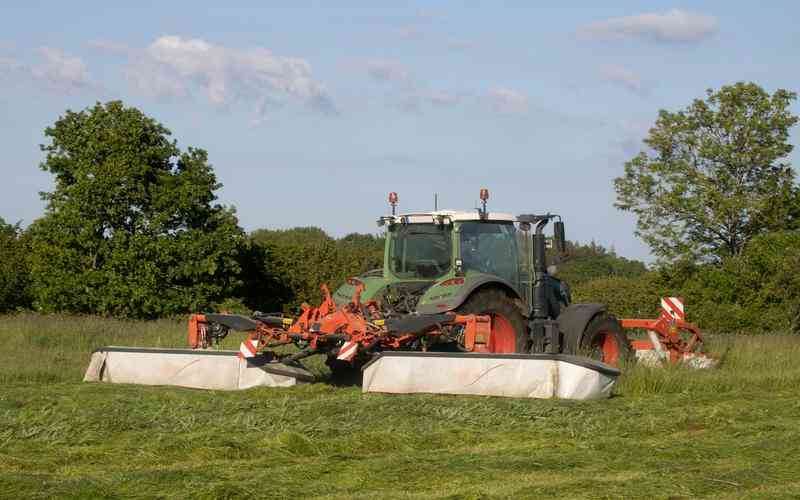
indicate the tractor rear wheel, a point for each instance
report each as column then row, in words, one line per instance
column 605, row 340
column 509, row 333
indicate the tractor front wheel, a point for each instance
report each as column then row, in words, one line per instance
column 605, row 340
column 508, row 333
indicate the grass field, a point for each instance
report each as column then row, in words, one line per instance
column 731, row 432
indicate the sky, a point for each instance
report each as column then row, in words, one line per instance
column 312, row 112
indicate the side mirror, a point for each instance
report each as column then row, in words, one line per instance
column 559, row 237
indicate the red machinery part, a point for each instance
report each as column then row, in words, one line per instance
column 344, row 330
column 678, row 339
column 198, row 337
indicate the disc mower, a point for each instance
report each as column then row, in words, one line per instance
column 465, row 286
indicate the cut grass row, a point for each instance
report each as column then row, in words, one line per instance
column 730, row 432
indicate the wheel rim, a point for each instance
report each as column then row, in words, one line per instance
column 606, row 347
column 502, row 338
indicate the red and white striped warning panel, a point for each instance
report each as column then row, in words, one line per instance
column 672, row 308
column 348, row 351
column 248, row 348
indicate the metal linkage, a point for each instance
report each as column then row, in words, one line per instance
column 347, row 332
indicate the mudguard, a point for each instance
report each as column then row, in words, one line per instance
column 463, row 293
column 572, row 322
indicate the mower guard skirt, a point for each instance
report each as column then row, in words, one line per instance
column 221, row 370
column 543, row 376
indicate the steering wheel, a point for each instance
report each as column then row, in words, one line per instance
column 430, row 262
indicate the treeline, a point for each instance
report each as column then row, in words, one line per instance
column 285, row 268
column 277, row 270
column 756, row 291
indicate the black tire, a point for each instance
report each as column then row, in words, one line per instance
column 496, row 302
column 605, row 340
column 344, row 372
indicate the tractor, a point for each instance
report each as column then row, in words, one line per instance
column 484, row 263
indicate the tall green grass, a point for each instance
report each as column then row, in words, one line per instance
column 745, row 363
column 728, row 432
column 55, row 348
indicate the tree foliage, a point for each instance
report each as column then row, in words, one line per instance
column 715, row 175
column 295, row 236
column 131, row 227
column 13, row 268
column 754, row 292
column 296, row 261
column 592, row 261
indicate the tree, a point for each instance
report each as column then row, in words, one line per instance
column 715, row 175
column 592, row 261
column 132, row 227
column 13, row 268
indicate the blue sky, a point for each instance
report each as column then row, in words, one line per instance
column 312, row 112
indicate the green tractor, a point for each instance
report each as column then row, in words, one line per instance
column 488, row 263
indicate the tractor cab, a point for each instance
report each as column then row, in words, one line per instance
column 476, row 262
column 436, row 244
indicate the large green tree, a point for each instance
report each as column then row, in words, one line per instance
column 132, row 227
column 715, row 175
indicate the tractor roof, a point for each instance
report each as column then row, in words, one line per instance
column 454, row 215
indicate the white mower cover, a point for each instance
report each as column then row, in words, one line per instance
column 221, row 370
column 543, row 376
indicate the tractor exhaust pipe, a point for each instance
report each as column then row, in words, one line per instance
column 539, row 272
column 545, row 333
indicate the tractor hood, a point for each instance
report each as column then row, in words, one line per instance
column 430, row 297
column 373, row 284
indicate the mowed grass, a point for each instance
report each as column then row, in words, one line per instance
column 730, row 432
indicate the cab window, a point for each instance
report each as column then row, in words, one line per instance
column 490, row 248
column 420, row 251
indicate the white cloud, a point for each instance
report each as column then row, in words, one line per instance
column 623, row 76
column 672, row 26
column 176, row 66
column 155, row 81
column 61, row 70
column 508, row 101
column 388, row 71
column 57, row 71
